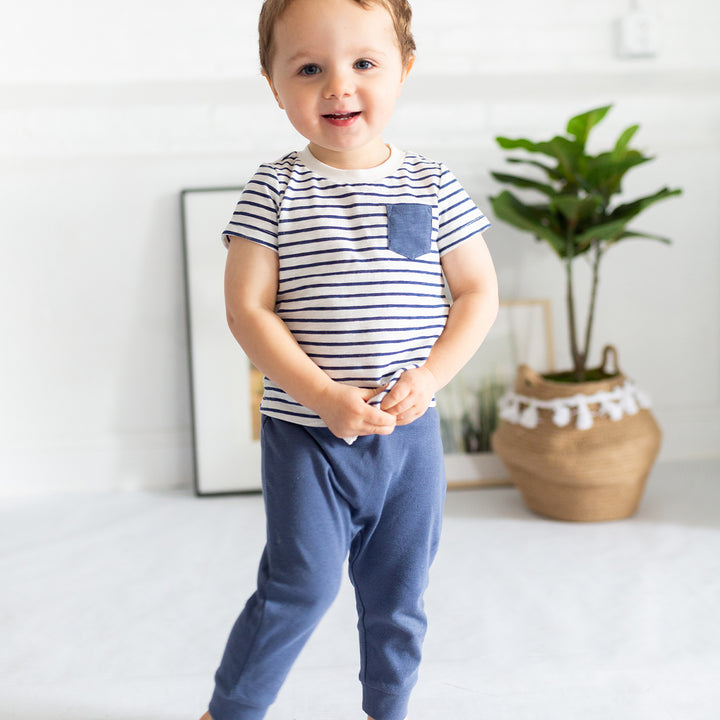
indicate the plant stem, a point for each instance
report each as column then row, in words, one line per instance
column 578, row 358
column 593, row 297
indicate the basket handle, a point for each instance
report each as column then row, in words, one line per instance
column 608, row 351
column 527, row 377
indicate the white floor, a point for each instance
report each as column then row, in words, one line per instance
column 117, row 607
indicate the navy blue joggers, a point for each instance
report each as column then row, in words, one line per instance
column 380, row 500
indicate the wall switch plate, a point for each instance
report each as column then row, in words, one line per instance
column 638, row 35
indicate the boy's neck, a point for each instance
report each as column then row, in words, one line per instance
column 360, row 159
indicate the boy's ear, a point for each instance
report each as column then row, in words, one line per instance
column 272, row 87
column 407, row 69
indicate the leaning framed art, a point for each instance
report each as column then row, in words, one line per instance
column 224, row 386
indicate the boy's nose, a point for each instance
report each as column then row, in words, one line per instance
column 338, row 85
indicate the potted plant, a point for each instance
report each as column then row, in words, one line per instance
column 579, row 444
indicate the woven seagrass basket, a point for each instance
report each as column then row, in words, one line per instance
column 578, row 451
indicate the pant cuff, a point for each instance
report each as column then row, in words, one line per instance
column 381, row 705
column 223, row 709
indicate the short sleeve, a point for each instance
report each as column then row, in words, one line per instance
column 458, row 216
column 256, row 214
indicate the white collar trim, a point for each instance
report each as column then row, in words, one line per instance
column 393, row 163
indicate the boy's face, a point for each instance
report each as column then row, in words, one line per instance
column 337, row 73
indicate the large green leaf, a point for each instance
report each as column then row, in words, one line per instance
column 507, row 143
column 525, row 183
column 536, row 219
column 566, row 152
column 575, row 209
column 608, row 231
column 605, row 172
column 581, row 125
column 648, row 236
column 624, row 140
column 552, row 173
column 628, row 211
column 615, row 227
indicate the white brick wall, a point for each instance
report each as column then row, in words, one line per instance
column 108, row 110
column 91, row 41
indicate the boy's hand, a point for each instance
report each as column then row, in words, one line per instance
column 411, row 396
column 345, row 410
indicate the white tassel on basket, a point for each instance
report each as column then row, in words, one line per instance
column 529, row 417
column 615, row 404
column 629, row 403
column 584, row 416
column 509, row 409
column 612, row 409
column 562, row 415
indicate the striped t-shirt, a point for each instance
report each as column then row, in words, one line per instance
column 360, row 282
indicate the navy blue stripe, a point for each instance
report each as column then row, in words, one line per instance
column 451, row 220
column 410, row 186
column 455, row 231
column 334, row 228
column 259, row 218
column 347, row 240
column 249, row 189
column 260, row 206
column 352, row 308
column 288, row 413
column 371, row 343
column 373, row 367
column 302, row 209
column 394, row 258
column 359, row 331
column 353, row 296
column 397, row 354
column 305, row 216
column 373, row 318
column 253, row 230
column 372, row 271
column 276, row 396
column 354, row 193
column 334, row 251
column 255, row 240
column 344, row 287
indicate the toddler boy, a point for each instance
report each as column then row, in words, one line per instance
column 338, row 257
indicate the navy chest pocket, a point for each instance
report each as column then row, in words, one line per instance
column 409, row 229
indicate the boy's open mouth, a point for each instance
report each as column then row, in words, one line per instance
column 341, row 116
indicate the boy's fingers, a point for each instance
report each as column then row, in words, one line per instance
column 370, row 393
column 382, row 430
column 380, row 418
column 399, row 393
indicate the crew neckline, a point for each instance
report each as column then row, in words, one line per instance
column 393, row 163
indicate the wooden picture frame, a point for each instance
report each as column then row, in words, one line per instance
column 468, row 404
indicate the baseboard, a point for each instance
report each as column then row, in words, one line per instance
column 162, row 461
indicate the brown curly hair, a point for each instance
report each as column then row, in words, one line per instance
column 399, row 10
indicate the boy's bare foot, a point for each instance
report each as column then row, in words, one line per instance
column 206, row 716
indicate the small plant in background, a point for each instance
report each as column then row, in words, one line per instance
column 578, row 216
column 478, row 426
column 475, row 417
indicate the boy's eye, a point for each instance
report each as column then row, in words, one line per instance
column 363, row 65
column 310, row 69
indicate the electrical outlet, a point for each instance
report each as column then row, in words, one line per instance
column 639, row 35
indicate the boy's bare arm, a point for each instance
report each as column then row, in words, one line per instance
column 471, row 278
column 251, row 280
